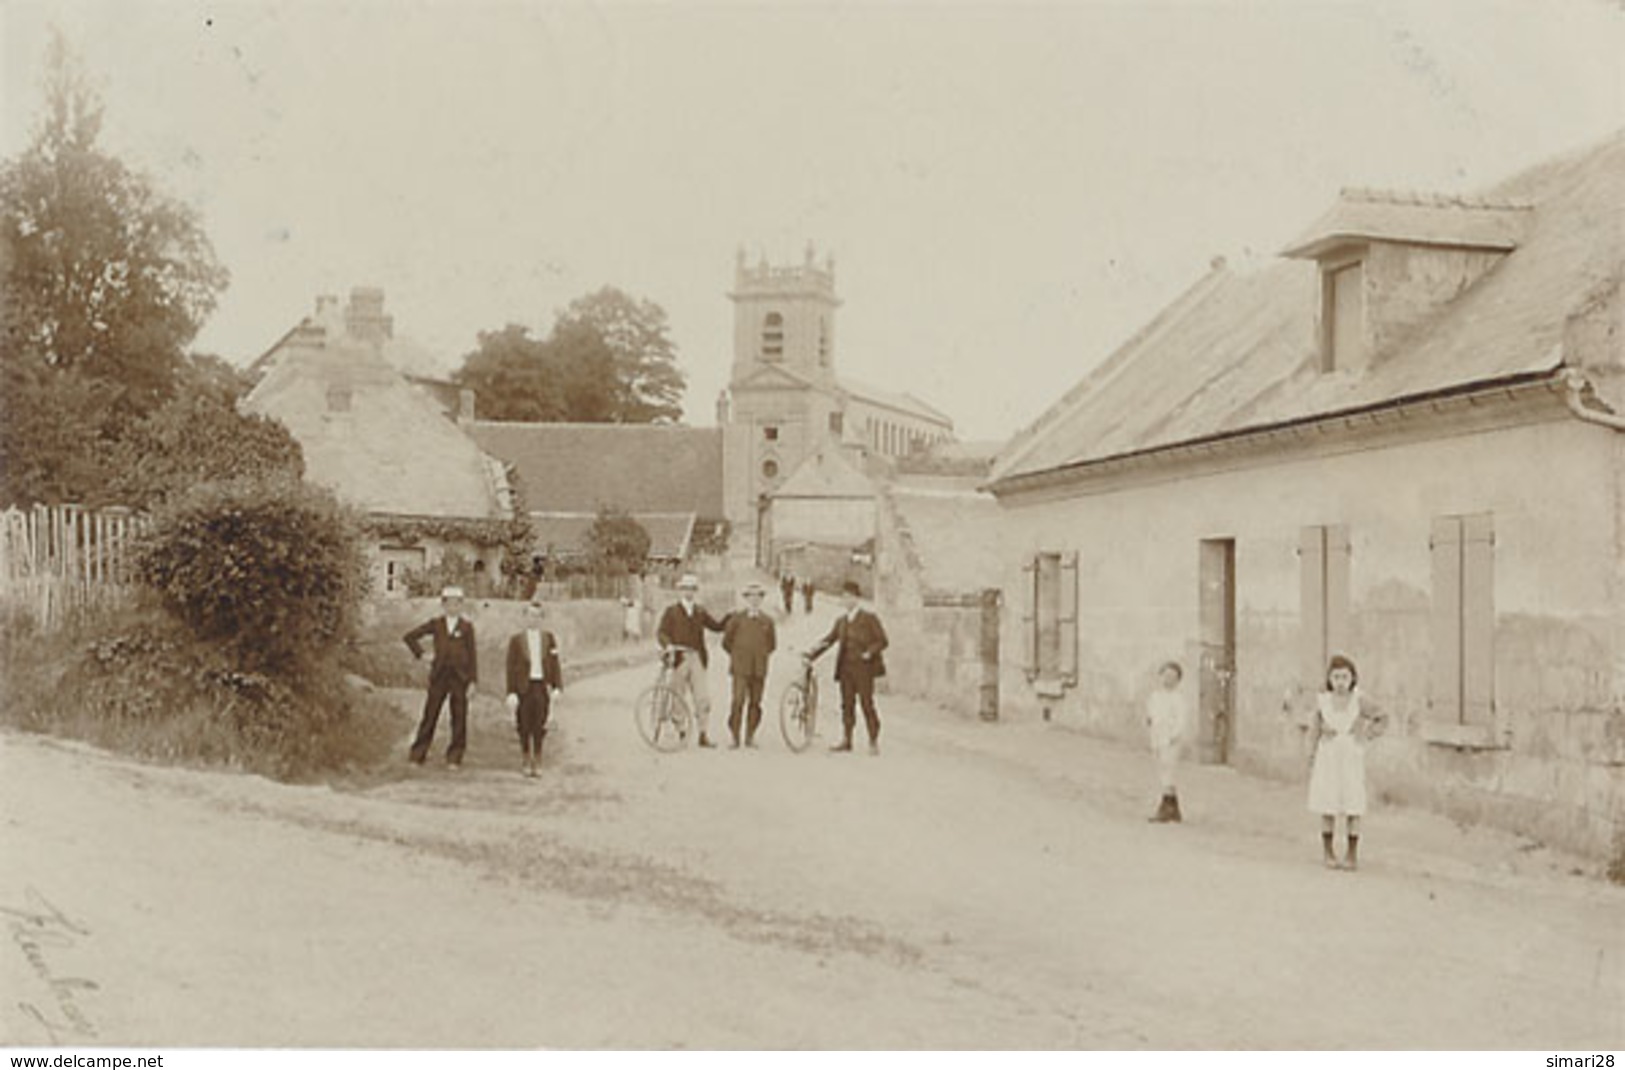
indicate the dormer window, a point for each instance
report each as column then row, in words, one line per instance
column 773, row 336
column 1390, row 260
column 1342, row 315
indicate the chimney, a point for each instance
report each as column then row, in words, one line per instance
column 465, row 406
column 364, row 318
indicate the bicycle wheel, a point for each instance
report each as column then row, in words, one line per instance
column 796, row 718
column 662, row 717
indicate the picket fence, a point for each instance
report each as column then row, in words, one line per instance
column 58, row 561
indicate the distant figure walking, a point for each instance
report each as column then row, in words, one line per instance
column 534, row 680
column 1344, row 723
column 1165, row 723
column 632, row 619
column 750, row 638
column 787, row 589
column 807, row 589
column 453, row 671
column 683, row 627
column 858, row 664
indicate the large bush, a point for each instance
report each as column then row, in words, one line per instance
column 271, row 571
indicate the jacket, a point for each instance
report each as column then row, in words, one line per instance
column 455, row 654
column 862, row 635
column 519, row 663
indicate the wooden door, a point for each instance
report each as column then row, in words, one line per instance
column 1216, row 626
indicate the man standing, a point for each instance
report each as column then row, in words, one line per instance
column 787, row 588
column 858, row 663
column 453, row 671
column 749, row 638
column 534, row 680
column 683, row 627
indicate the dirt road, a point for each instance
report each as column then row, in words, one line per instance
column 973, row 886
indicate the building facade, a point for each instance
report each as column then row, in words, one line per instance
column 1399, row 443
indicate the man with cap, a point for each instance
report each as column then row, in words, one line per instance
column 858, row 663
column 749, row 638
column 682, row 628
column 453, row 671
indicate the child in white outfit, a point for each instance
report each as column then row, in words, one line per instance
column 1344, row 724
column 1165, row 723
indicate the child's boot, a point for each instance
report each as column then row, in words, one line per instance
column 1329, row 856
column 1173, row 808
column 1352, row 861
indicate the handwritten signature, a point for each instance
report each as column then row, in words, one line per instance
column 37, row 928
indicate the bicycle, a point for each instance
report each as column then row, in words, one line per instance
column 798, row 709
column 660, row 711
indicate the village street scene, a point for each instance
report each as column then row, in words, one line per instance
column 599, row 548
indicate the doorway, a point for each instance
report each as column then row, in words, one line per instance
column 1216, row 626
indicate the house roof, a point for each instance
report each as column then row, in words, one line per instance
column 639, row 468
column 391, row 450
column 953, row 530
column 1415, row 218
column 1239, row 350
column 826, row 474
column 566, row 535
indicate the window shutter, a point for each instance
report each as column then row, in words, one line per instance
column 1444, row 683
column 1337, row 590
column 1069, row 618
column 1478, row 619
column 1312, row 605
column 1029, row 617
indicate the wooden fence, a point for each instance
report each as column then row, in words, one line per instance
column 58, row 561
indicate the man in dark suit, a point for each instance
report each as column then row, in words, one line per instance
column 534, row 678
column 787, row 588
column 683, row 626
column 858, row 663
column 749, row 638
column 453, row 671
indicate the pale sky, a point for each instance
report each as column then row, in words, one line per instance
column 1009, row 191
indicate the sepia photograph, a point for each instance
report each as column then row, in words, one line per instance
column 608, row 526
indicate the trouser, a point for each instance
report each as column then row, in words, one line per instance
column 746, row 688
column 855, row 689
column 534, row 704
column 690, row 676
column 440, row 687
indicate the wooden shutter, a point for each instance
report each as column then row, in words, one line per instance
column 1337, row 590
column 1478, row 619
column 1029, row 617
column 1444, row 682
column 1312, row 605
column 1068, row 618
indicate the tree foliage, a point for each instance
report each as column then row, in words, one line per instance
column 617, row 542
column 105, row 282
column 271, row 570
column 103, row 274
column 608, row 359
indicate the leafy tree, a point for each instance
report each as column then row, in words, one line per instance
column 103, row 274
column 514, row 377
column 105, row 281
column 607, row 360
column 618, row 543
column 648, row 383
column 198, row 437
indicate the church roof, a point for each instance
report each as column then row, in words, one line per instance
column 889, row 399
column 826, row 474
column 638, row 468
column 566, row 535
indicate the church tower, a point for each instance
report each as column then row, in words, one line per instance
column 784, row 402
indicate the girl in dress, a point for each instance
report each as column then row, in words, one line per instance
column 1344, row 723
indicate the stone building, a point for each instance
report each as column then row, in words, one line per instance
column 785, row 404
column 382, row 444
column 1400, row 442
